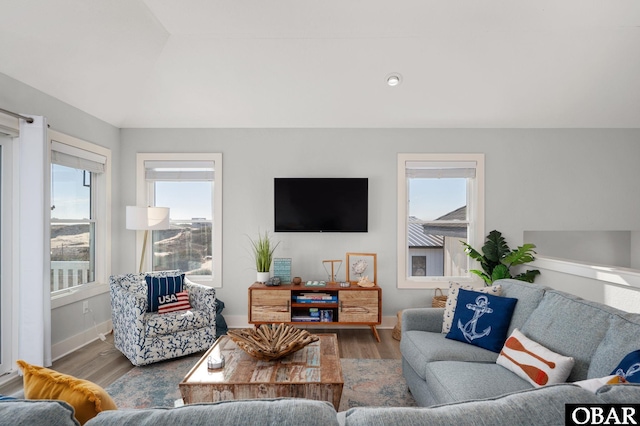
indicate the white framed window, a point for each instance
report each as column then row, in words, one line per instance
column 440, row 203
column 190, row 184
column 80, row 198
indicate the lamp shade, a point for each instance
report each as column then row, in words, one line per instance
column 140, row 218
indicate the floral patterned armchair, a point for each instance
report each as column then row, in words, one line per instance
column 147, row 337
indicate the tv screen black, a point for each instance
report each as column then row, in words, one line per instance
column 321, row 204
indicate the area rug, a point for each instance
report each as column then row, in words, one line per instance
column 368, row 382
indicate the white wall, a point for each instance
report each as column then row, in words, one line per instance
column 594, row 247
column 535, row 180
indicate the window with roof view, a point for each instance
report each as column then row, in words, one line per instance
column 440, row 204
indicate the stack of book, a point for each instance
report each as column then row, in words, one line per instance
column 305, row 318
column 316, row 298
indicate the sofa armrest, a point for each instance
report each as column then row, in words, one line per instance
column 201, row 297
column 422, row 319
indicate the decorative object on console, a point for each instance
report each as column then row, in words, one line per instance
column 364, row 282
column 263, row 250
column 452, row 300
column 533, row 362
column 334, row 271
column 282, row 269
column 359, row 263
column 145, row 219
column 297, row 280
column 271, row 342
column 482, row 319
column 497, row 259
column 272, row 281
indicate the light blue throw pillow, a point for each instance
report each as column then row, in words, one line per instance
column 482, row 319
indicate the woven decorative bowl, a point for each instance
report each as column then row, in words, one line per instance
column 271, row 342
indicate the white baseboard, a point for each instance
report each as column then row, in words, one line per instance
column 240, row 321
column 65, row 347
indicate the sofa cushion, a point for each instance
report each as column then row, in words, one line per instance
column 452, row 381
column 620, row 394
column 482, row 319
column 452, row 300
column 286, row 411
column 533, row 362
column 36, row 412
column 528, row 295
column 85, row 397
column 620, row 339
column 543, row 406
column 421, row 347
column 571, row 326
column 157, row 324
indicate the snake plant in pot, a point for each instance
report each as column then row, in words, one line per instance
column 263, row 250
column 497, row 259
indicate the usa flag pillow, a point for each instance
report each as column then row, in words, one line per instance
column 173, row 302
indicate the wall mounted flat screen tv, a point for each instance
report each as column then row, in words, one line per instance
column 321, row 204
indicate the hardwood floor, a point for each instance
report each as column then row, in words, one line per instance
column 101, row 363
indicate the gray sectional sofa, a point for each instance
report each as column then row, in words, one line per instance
column 538, row 407
column 440, row 371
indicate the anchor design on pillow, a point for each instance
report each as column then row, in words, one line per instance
column 480, row 308
column 634, row 368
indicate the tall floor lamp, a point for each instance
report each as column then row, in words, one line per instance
column 147, row 218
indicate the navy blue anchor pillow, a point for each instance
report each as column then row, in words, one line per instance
column 482, row 319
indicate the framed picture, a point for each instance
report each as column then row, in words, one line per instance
column 282, row 269
column 362, row 265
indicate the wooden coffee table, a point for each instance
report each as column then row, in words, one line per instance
column 313, row 372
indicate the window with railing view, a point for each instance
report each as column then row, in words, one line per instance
column 77, row 222
column 72, row 227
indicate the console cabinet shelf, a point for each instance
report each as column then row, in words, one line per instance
column 346, row 305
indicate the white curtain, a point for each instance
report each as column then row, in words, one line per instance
column 34, row 325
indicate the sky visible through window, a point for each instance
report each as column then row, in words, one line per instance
column 430, row 199
column 70, row 198
column 186, row 200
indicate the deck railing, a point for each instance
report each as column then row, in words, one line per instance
column 67, row 274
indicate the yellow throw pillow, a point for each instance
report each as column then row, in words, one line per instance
column 87, row 399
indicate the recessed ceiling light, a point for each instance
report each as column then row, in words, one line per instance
column 394, row 79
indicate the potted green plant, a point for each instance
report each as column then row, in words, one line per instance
column 263, row 250
column 497, row 259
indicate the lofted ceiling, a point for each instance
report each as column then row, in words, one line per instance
column 304, row 63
